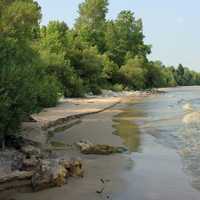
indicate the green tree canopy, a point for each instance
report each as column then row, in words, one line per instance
column 20, row 72
column 133, row 73
column 90, row 25
column 125, row 36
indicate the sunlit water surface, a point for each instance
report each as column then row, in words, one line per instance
column 164, row 138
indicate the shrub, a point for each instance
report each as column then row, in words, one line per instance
column 18, row 97
column 95, row 89
column 75, row 88
column 59, row 67
column 88, row 66
column 110, row 70
column 133, row 73
column 118, row 87
column 49, row 91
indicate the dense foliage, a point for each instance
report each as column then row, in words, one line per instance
column 23, row 88
column 39, row 64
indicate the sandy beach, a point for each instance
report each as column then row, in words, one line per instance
column 98, row 128
column 152, row 169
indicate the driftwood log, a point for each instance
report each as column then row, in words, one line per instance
column 86, row 147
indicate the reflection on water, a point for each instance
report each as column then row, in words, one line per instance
column 126, row 128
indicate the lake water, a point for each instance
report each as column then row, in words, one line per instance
column 166, row 159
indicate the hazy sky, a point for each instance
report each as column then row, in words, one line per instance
column 172, row 26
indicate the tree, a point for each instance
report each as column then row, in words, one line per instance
column 90, row 25
column 55, row 49
column 55, row 37
column 125, row 36
column 19, row 72
column 19, row 18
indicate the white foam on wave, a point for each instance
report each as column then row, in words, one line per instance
column 192, row 118
column 187, row 107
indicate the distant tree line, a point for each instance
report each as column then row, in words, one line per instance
column 38, row 64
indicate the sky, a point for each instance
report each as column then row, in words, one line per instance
column 172, row 27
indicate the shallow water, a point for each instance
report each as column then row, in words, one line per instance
column 167, row 165
column 163, row 162
column 126, row 128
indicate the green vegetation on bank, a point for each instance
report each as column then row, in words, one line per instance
column 38, row 64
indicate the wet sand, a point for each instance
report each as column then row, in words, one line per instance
column 97, row 128
column 150, row 171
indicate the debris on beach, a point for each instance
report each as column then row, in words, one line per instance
column 40, row 173
column 103, row 191
column 55, row 172
column 86, row 147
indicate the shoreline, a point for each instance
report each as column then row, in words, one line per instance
column 98, row 128
column 120, row 176
column 72, row 109
column 114, row 101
